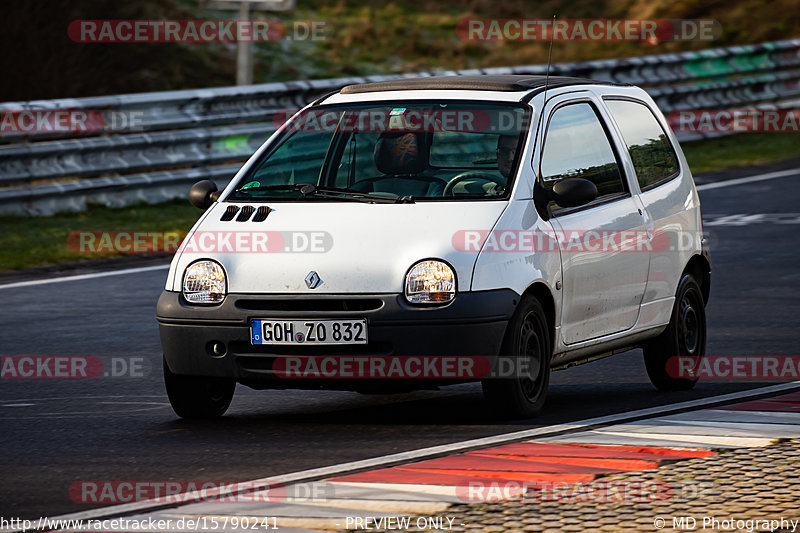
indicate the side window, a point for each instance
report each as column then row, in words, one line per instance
column 576, row 146
column 651, row 152
column 298, row 160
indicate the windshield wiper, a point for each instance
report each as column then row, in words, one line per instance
column 271, row 188
column 333, row 192
column 308, row 189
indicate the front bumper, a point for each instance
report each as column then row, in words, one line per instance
column 472, row 325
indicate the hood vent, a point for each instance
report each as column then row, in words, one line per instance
column 229, row 213
column 261, row 214
column 246, row 212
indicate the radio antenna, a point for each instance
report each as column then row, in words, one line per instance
column 549, row 56
column 541, row 197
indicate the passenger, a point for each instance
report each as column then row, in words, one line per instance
column 506, row 152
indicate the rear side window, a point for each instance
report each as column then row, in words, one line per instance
column 651, row 152
column 576, row 146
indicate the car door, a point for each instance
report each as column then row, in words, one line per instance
column 604, row 244
column 667, row 197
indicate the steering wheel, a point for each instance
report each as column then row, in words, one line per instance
column 471, row 174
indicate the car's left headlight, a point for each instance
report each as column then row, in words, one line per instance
column 430, row 281
column 204, row 282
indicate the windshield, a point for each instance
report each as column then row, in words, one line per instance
column 419, row 151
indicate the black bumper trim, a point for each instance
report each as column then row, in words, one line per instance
column 467, row 307
column 472, row 325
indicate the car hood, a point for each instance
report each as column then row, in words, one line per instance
column 353, row 247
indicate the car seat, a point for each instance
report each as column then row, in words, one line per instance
column 400, row 157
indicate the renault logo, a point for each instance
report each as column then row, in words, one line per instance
column 313, row 280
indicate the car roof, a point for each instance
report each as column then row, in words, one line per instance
column 530, row 84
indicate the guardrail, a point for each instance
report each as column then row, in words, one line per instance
column 180, row 137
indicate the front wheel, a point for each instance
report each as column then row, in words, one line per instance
column 198, row 396
column 673, row 358
column 525, row 354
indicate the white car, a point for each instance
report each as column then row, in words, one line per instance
column 423, row 232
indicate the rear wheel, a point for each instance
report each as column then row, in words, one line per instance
column 684, row 340
column 198, row 396
column 526, row 353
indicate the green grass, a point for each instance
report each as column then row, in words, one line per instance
column 37, row 241
column 740, row 150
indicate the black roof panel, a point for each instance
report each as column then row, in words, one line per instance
column 507, row 82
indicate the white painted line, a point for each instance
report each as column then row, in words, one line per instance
column 604, row 439
column 738, row 415
column 656, row 427
column 731, row 415
column 388, row 460
column 659, row 426
column 763, row 429
column 60, row 398
column 435, row 490
column 749, row 179
column 370, row 491
column 408, row 505
column 78, row 277
column 708, row 440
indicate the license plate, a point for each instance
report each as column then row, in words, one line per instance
column 265, row 331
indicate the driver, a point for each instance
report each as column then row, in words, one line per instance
column 506, row 152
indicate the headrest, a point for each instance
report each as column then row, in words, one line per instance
column 399, row 153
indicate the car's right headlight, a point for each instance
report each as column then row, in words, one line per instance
column 204, row 282
column 430, row 282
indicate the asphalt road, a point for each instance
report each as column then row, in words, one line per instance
column 58, row 432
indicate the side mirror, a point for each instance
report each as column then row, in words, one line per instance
column 567, row 192
column 573, row 192
column 203, row 193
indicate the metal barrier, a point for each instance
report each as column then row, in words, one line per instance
column 151, row 146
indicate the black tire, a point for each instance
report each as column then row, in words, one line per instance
column 685, row 336
column 527, row 339
column 197, row 396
